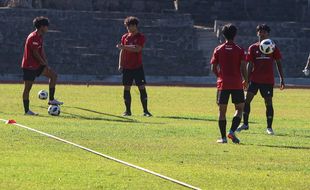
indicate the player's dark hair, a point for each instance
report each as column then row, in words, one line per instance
column 229, row 31
column 40, row 21
column 264, row 27
column 131, row 20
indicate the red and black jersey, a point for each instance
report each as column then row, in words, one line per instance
column 34, row 42
column 132, row 60
column 263, row 71
column 229, row 57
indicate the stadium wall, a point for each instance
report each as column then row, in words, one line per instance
column 83, row 42
column 293, row 39
column 93, row 5
column 206, row 11
column 84, row 33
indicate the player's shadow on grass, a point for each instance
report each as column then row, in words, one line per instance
column 72, row 115
column 187, row 118
column 191, row 118
column 294, row 135
column 118, row 118
column 286, row 147
column 282, row 135
column 21, row 114
column 106, row 114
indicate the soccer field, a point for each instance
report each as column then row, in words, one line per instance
column 179, row 141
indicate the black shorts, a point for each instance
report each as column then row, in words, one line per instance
column 30, row 75
column 266, row 90
column 237, row 96
column 137, row 75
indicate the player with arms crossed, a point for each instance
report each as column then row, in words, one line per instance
column 35, row 64
column 130, row 64
column 228, row 64
column 261, row 75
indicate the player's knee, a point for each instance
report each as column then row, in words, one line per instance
column 222, row 116
column 127, row 88
column 222, row 112
column 239, row 112
column 141, row 87
column 27, row 87
column 26, row 92
column 239, row 106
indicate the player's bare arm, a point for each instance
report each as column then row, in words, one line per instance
column 244, row 74
column 280, row 71
column 40, row 59
column 44, row 56
column 308, row 64
column 307, row 67
column 249, row 69
column 120, row 61
column 214, row 68
column 131, row 48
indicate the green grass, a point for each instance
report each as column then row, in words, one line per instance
column 179, row 141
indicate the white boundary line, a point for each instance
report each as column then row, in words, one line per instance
column 106, row 156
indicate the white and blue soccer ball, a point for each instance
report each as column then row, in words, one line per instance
column 267, row 46
column 54, row 110
column 42, row 94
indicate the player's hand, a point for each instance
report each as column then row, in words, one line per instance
column 306, row 71
column 245, row 85
column 120, row 69
column 119, row 46
column 282, row 85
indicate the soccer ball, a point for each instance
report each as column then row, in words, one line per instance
column 42, row 94
column 54, row 110
column 267, row 46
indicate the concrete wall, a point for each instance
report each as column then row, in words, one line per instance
column 81, row 42
column 94, row 5
column 206, row 11
column 293, row 39
column 133, row 5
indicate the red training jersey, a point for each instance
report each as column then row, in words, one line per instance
column 132, row 60
column 262, row 64
column 229, row 57
column 34, row 42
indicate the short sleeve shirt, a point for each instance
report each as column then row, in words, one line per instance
column 263, row 64
column 132, row 60
column 229, row 57
column 34, row 42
